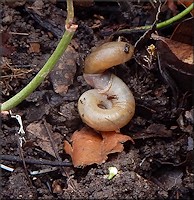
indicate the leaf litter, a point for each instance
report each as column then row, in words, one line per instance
column 38, row 133
column 88, row 147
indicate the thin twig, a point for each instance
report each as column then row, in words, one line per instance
column 51, row 140
column 35, row 161
column 10, row 169
column 20, row 151
column 20, row 138
column 18, row 33
column 54, row 147
column 42, row 171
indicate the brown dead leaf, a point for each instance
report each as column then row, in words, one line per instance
column 86, row 148
column 34, row 47
column 57, row 186
column 177, row 58
column 63, row 74
column 89, row 147
column 112, row 141
column 183, row 52
column 153, row 131
column 38, row 133
column 184, row 32
column 5, row 48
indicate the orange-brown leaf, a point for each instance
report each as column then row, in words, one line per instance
column 112, row 141
column 86, row 148
column 89, row 147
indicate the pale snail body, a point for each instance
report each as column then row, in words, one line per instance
column 107, row 55
column 111, row 105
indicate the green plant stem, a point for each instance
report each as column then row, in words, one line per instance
column 70, row 10
column 49, row 65
column 176, row 17
column 161, row 24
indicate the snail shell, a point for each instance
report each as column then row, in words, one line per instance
column 107, row 110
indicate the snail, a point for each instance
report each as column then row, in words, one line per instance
column 110, row 105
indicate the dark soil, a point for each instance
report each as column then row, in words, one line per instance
column 157, row 166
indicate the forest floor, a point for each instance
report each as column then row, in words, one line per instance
column 157, row 166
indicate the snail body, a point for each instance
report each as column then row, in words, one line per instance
column 107, row 55
column 111, row 104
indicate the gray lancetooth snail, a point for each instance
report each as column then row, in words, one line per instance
column 111, row 105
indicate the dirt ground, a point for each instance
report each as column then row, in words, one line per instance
column 157, row 166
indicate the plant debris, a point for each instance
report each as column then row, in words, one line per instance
column 34, row 47
column 184, row 32
column 89, row 147
column 112, row 172
column 177, row 59
column 38, row 133
column 154, row 130
column 158, row 166
column 63, row 73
